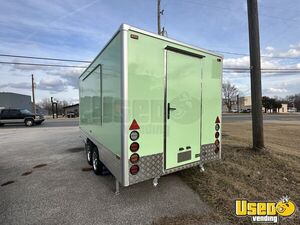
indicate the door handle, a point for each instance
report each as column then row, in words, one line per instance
column 170, row 109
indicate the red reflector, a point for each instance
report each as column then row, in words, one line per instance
column 134, row 125
column 134, row 158
column 217, row 120
column 134, row 146
column 134, row 169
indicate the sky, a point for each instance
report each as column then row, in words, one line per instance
column 78, row 29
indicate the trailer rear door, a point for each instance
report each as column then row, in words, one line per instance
column 182, row 133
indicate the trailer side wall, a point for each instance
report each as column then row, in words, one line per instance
column 100, row 98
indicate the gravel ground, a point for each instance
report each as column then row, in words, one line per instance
column 43, row 182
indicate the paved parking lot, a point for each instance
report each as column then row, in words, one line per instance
column 43, row 182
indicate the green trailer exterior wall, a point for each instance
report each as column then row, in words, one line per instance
column 127, row 81
column 103, row 119
column 146, row 83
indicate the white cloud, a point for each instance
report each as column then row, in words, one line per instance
column 237, row 62
column 20, row 85
column 244, row 62
column 274, row 84
column 293, row 51
column 270, row 48
column 275, row 90
column 53, row 85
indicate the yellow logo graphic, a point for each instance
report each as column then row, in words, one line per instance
column 265, row 211
column 285, row 207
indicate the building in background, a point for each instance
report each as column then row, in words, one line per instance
column 18, row 101
column 71, row 110
column 243, row 104
column 15, row 100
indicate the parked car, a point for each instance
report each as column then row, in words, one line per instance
column 11, row 116
column 71, row 115
column 246, row 111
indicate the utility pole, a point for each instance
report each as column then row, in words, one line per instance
column 33, row 97
column 238, row 103
column 52, row 105
column 255, row 73
column 158, row 17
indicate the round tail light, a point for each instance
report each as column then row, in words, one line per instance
column 134, row 146
column 134, row 135
column 134, row 158
column 217, row 142
column 134, row 169
column 217, row 135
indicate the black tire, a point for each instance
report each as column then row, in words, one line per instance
column 89, row 153
column 29, row 122
column 98, row 167
column 1, row 124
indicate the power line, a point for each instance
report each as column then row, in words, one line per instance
column 40, row 64
column 86, row 61
column 266, row 70
column 263, row 69
column 244, row 54
column 44, row 58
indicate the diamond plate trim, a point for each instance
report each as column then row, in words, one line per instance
column 151, row 166
column 186, row 166
column 208, row 153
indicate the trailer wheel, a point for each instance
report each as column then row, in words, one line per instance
column 98, row 167
column 89, row 153
column 97, row 164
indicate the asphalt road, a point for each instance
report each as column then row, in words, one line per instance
column 60, row 122
column 267, row 117
column 43, row 182
column 234, row 117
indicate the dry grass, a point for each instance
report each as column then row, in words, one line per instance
column 243, row 173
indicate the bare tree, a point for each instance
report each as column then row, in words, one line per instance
column 229, row 91
column 47, row 105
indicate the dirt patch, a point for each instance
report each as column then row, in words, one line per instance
column 40, row 166
column 26, row 173
column 7, row 183
column 74, row 150
column 243, row 173
column 87, row 169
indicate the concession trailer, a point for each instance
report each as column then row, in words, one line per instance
column 150, row 106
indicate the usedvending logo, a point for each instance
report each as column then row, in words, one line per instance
column 262, row 212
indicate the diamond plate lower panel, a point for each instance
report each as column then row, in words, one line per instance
column 150, row 166
column 208, row 153
column 153, row 165
column 186, row 166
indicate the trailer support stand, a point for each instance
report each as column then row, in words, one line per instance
column 201, row 166
column 117, row 187
column 155, row 181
